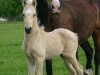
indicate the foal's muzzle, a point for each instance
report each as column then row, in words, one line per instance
column 28, row 30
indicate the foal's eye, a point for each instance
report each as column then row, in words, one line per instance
column 34, row 3
column 34, row 15
column 23, row 15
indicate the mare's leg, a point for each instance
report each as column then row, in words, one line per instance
column 49, row 67
column 39, row 65
column 89, row 54
column 96, row 37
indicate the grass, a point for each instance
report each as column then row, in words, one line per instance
column 12, row 59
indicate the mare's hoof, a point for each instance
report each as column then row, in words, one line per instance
column 88, row 72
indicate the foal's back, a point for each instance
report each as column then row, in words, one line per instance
column 58, row 40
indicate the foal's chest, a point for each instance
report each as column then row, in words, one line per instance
column 35, row 47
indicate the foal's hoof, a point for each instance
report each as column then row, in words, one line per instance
column 89, row 72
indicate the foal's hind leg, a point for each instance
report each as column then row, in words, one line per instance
column 89, row 54
column 70, row 67
column 73, row 61
column 96, row 37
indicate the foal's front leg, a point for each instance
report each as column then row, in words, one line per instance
column 39, row 65
column 31, row 67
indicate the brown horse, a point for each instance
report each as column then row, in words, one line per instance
column 80, row 16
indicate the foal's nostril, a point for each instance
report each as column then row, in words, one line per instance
column 28, row 30
column 52, row 6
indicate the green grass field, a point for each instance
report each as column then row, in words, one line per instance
column 12, row 59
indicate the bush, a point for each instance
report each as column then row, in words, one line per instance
column 10, row 8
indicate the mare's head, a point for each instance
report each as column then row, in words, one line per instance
column 54, row 5
column 29, row 13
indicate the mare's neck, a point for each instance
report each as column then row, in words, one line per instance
column 43, row 11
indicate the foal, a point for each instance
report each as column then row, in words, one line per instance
column 40, row 45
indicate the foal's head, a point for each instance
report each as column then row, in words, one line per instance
column 29, row 12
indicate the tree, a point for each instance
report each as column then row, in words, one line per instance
column 10, row 8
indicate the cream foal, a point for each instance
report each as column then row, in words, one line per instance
column 39, row 45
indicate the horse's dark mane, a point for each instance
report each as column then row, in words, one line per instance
column 42, row 10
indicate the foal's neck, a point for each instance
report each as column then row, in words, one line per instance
column 35, row 27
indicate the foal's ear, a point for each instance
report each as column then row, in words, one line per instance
column 34, row 3
column 23, row 2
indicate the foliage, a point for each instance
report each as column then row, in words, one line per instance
column 10, row 8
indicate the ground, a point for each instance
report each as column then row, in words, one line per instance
column 12, row 58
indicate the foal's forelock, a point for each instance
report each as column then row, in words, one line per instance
column 27, row 11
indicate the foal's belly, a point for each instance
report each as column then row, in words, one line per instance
column 54, row 47
column 54, row 51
